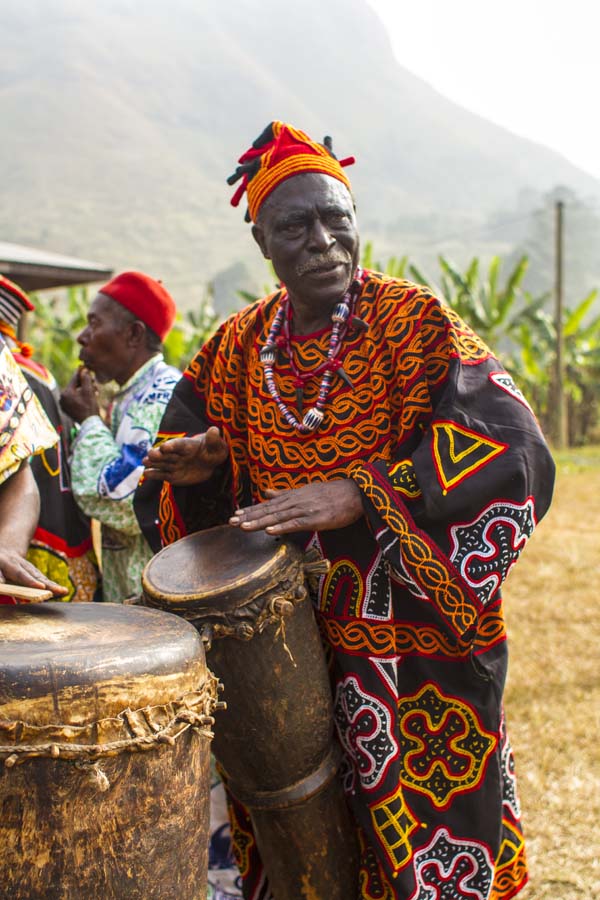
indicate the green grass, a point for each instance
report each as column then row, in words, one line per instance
column 577, row 458
column 553, row 689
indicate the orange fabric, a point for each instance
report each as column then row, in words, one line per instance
column 25, row 350
column 291, row 152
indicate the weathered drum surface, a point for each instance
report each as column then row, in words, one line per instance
column 105, row 718
column 246, row 594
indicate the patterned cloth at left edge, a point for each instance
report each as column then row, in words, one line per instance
column 61, row 546
column 24, row 427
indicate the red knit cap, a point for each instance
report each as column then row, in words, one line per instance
column 280, row 152
column 13, row 301
column 146, row 298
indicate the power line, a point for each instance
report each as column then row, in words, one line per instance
column 492, row 227
column 477, row 229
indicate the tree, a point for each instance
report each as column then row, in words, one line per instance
column 532, row 362
column 493, row 309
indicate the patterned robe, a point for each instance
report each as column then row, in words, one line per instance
column 24, row 427
column 454, row 474
column 61, row 546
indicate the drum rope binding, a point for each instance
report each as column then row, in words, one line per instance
column 141, row 730
column 270, row 607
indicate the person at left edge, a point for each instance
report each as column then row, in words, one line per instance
column 122, row 341
column 61, row 545
column 24, row 432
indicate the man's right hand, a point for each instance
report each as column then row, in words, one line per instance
column 184, row 461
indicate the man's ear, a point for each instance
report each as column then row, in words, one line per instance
column 259, row 236
column 137, row 333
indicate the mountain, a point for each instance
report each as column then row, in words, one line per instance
column 122, row 119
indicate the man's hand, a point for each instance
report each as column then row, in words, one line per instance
column 19, row 510
column 15, row 569
column 320, row 506
column 184, row 461
column 79, row 400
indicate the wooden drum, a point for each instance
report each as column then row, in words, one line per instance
column 105, row 718
column 246, row 594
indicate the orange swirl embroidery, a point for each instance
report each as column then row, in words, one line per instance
column 386, row 639
column 431, row 573
column 169, row 529
column 511, row 864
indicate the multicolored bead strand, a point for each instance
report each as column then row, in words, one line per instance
column 340, row 318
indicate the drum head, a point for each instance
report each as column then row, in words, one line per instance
column 68, row 662
column 222, row 567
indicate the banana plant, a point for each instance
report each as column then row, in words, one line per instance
column 190, row 331
column 53, row 329
column 491, row 306
column 534, row 359
column 396, row 266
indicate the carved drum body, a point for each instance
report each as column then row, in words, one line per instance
column 105, row 717
column 246, row 594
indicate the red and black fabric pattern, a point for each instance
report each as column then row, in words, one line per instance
column 454, row 475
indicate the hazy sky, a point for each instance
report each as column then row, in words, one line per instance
column 532, row 66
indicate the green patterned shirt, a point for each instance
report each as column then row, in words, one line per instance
column 106, row 466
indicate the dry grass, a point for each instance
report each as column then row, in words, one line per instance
column 553, row 691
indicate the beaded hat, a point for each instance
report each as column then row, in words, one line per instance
column 13, row 301
column 280, row 152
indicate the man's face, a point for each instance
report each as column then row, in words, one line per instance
column 104, row 341
column 307, row 228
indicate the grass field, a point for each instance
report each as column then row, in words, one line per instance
column 553, row 690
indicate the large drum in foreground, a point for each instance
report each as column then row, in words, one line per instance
column 105, row 729
column 246, row 594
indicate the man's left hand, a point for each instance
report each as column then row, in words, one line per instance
column 320, row 506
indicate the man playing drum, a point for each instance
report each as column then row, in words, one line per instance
column 359, row 414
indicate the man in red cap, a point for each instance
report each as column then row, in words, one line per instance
column 127, row 322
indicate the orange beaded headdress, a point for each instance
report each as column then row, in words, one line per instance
column 13, row 303
column 280, row 152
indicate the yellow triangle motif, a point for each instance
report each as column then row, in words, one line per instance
column 459, row 452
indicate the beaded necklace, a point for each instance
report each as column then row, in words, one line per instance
column 277, row 340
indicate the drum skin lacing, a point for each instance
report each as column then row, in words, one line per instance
column 132, row 730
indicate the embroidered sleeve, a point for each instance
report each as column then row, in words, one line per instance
column 455, row 507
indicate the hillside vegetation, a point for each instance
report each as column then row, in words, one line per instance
column 122, row 120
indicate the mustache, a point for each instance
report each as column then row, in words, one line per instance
column 324, row 260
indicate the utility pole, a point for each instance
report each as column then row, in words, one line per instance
column 560, row 427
